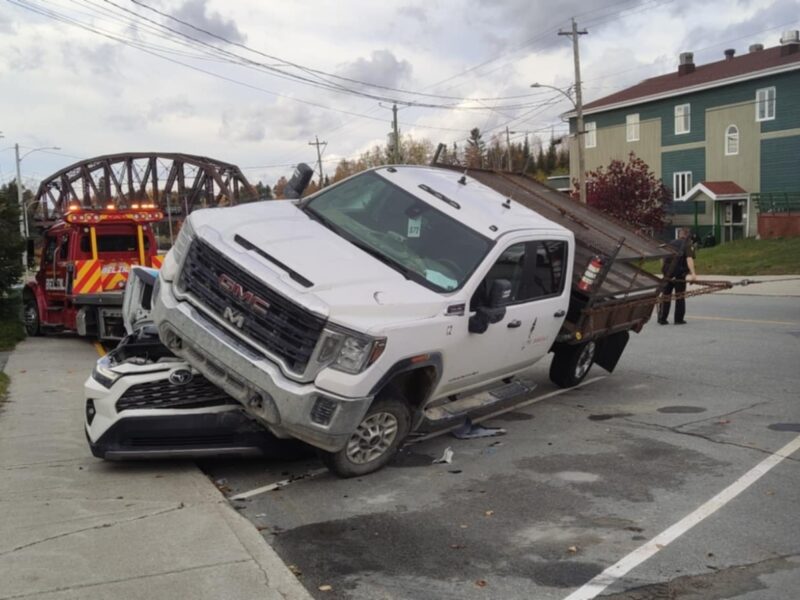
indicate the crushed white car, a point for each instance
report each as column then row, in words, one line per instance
column 144, row 402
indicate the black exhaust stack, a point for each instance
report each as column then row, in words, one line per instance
column 299, row 182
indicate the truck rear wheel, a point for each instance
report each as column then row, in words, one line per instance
column 571, row 364
column 33, row 325
column 375, row 442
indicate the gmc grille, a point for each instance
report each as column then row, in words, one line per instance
column 198, row 393
column 285, row 329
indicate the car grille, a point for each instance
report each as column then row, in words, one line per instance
column 198, row 393
column 286, row 330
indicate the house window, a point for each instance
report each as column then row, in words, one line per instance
column 681, row 183
column 731, row 140
column 683, row 114
column 765, row 104
column 632, row 127
column 591, row 134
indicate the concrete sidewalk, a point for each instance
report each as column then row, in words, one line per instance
column 72, row 526
column 760, row 285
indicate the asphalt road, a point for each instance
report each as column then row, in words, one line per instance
column 582, row 480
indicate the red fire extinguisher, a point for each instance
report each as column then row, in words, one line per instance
column 591, row 273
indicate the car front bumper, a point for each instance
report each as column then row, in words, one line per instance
column 287, row 407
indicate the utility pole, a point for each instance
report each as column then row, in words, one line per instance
column 508, row 147
column 396, row 144
column 23, row 218
column 317, row 143
column 574, row 33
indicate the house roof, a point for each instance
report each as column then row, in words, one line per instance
column 722, row 72
column 716, row 190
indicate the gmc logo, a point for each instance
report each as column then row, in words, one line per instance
column 235, row 290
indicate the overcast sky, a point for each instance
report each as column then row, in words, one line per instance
column 91, row 94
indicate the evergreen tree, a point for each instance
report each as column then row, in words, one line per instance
column 11, row 242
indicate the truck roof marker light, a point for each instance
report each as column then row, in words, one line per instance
column 135, row 206
column 73, row 206
column 110, row 206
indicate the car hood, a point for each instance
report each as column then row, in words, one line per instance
column 315, row 266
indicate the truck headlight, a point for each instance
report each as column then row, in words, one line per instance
column 103, row 373
column 348, row 351
column 174, row 258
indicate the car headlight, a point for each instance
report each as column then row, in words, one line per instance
column 174, row 258
column 103, row 373
column 348, row 351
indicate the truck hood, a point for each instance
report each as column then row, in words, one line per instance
column 321, row 270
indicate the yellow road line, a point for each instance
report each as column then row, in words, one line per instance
column 100, row 349
column 743, row 320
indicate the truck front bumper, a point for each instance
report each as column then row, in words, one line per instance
column 288, row 408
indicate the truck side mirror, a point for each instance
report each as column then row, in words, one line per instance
column 499, row 296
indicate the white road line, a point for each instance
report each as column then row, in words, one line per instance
column 507, row 409
column 278, row 484
column 616, row 571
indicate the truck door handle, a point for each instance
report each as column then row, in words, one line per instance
column 514, row 324
column 560, row 314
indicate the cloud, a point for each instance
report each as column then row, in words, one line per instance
column 101, row 60
column 166, row 108
column 283, row 120
column 24, row 60
column 415, row 13
column 381, row 68
column 196, row 13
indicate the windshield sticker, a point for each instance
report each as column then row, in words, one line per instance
column 414, row 227
column 442, row 281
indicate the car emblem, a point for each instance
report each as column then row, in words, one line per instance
column 233, row 317
column 180, row 377
column 236, row 290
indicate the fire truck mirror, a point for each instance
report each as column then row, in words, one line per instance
column 30, row 249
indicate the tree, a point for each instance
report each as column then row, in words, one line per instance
column 264, row 191
column 475, row 149
column 630, row 192
column 11, row 242
column 280, row 185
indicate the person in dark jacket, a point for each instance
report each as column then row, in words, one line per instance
column 678, row 271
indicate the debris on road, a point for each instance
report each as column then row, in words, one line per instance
column 445, row 458
column 469, row 431
column 325, row 588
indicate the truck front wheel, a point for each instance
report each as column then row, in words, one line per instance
column 571, row 364
column 375, row 442
column 33, row 325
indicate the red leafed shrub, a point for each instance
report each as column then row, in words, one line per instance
column 630, row 192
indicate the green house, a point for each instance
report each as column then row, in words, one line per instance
column 724, row 137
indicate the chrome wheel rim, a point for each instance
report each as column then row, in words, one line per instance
column 30, row 317
column 585, row 360
column 373, row 438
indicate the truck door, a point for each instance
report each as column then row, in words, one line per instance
column 55, row 258
column 537, row 271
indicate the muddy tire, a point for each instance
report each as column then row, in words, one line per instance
column 375, row 442
column 33, row 324
column 571, row 364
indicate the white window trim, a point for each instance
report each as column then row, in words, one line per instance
column 766, row 103
column 590, row 128
column 727, row 147
column 687, row 177
column 687, row 114
column 632, row 125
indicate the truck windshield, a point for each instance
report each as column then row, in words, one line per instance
column 408, row 234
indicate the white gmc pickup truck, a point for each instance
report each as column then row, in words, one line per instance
column 399, row 298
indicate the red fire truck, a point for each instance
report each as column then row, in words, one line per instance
column 84, row 264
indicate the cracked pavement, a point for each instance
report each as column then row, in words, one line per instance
column 581, row 480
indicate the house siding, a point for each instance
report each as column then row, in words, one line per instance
column 743, row 168
column 780, row 164
column 684, row 160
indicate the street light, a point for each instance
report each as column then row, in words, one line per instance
column 578, row 106
column 23, row 222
